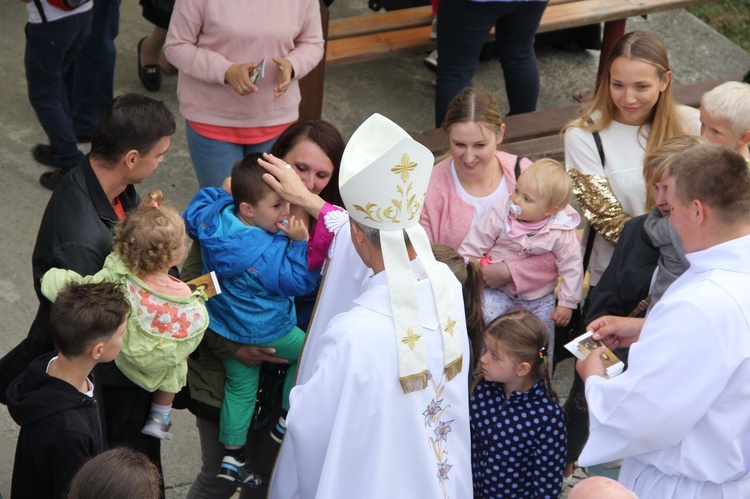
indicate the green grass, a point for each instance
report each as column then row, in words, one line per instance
column 731, row 18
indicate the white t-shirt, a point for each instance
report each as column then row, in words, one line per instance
column 484, row 204
column 53, row 13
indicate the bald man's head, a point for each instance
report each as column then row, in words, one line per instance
column 599, row 487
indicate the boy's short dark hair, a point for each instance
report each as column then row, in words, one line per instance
column 247, row 181
column 130, row 121
column 85, row 313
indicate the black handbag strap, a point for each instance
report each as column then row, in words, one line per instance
column 599, row 147
column 592, row 231
column 517, row 168
column 41, row 11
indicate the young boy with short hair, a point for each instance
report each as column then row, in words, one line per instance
column 54, row 399
column 260, row 259
column 725, row 116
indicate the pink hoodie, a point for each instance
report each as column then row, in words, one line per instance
column 559, row 236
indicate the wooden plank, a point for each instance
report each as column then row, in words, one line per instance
column 542, row 147
column 538, row 123
column 690, row 95
column 378, row 22
column 378, row 45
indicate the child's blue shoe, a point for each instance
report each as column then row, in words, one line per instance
column 279, row 430
column 236, row 471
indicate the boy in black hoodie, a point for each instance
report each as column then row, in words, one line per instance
column 55, row 400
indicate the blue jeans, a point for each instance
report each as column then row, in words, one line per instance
column 213, row 159
column 50, row 50
column 463, row 28
column 92, row 80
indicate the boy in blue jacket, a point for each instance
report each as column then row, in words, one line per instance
column 260, row 259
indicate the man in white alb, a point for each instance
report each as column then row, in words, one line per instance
column 680, row 414
column 381, row 408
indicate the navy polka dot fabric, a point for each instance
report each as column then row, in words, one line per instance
column 518, row 444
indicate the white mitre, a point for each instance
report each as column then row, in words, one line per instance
column 383, row 181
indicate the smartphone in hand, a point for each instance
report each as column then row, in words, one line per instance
column 258, row 71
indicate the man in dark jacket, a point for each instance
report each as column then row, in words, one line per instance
column 128, row 144
column 55, row 400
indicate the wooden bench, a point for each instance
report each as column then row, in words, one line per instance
column 536, row 135
column 380, row 35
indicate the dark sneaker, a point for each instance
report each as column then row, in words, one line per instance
column 279, row 430
column 44, row 154
column 158, row 426
column 83, row 138
column 49, row 180
column 236, row 471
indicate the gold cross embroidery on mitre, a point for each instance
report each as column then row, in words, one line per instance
column 406, row 203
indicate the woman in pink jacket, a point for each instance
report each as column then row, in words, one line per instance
column 239, row 65
column 465, row 186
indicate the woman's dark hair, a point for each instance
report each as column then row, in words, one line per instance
column 119, row 473
column 325, row 136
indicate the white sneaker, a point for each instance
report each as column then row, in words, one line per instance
column 158, row 426
column 431, row 61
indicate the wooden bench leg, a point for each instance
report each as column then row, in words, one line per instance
column 312, row 85
column 613, row 31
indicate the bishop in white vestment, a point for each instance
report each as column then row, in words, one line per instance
column 381, row 407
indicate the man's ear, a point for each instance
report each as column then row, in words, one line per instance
column 131, row 158
column 357, row 234
column 523, row 369
column 246, row 209
column 698, row 210
column 744, row 138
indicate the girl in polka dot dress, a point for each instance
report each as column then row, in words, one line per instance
column 518, row 439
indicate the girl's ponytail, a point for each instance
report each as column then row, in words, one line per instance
column 469, row 274
column 473, row 287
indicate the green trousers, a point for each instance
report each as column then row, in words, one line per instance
column 241, row 388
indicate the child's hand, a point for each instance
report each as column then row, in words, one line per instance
column 295, row 229
column 561, row 315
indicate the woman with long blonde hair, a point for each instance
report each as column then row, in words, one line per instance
column 632, row 114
